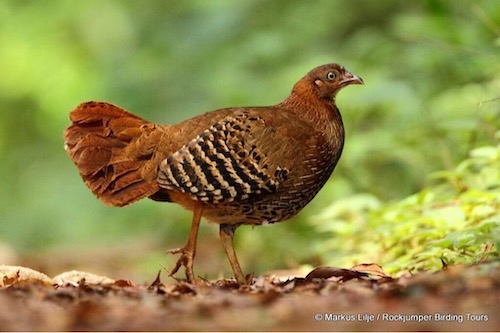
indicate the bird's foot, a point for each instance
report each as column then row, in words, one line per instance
column 186, row 260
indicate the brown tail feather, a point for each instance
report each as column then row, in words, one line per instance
column 113, row 151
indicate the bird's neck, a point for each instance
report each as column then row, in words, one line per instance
column 323, row 114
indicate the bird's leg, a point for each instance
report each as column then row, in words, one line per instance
column 226, row 233
column 189, row 250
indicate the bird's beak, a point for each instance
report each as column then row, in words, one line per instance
column 350, row 78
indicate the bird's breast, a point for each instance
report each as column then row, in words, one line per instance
column 305, row 179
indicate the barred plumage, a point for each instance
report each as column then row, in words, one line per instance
column 221, row 164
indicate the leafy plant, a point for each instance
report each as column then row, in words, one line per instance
column 454, row 220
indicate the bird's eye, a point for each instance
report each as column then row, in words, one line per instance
column 331, row 75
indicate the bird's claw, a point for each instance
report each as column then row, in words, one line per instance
column 186, row 260
column 176, row 250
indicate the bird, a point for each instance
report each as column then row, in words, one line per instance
column 233, row 166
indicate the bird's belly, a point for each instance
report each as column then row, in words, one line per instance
column 255, row 213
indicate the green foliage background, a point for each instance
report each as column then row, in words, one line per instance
column 431, row 96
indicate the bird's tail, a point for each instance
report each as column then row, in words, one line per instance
column 114, row 152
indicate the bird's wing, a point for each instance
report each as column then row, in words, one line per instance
column 228, row 161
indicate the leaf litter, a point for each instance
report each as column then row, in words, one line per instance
column 326, row 299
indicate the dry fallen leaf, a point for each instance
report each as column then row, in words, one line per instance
column 328, row 272
column 371, row 269
column 74, row 277
column 123, row 283
column 13, row 274
column 156, row 283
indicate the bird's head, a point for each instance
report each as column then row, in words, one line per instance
column 326, row 81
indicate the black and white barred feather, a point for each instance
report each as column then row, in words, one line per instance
column 221, row 164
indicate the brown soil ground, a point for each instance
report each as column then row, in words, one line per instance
column 458, row 298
